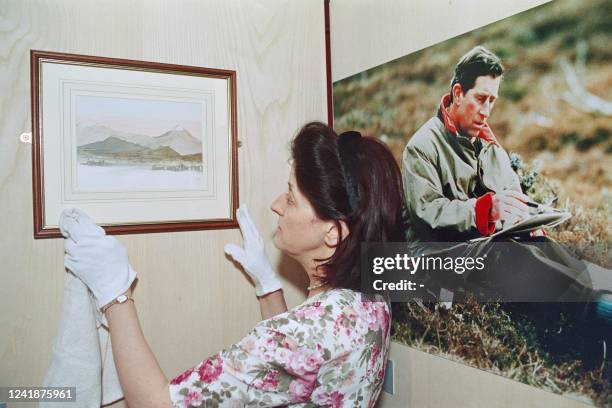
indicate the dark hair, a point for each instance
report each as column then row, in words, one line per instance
column 475, row 63
column 378, row 214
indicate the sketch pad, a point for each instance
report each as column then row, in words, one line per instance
column 549, row 219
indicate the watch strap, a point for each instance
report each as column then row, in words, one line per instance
column 119, row 299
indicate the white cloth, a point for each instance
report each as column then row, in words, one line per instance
column 82, row 352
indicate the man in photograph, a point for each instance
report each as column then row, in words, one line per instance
column 458, row 179
column 459, row 185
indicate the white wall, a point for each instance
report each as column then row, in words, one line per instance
column 367, row 33
column 191, row 300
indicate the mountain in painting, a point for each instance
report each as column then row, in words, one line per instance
column 114, row 148
column 178, row 139
column 112, row 145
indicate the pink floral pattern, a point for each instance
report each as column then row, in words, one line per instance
column 270, row 382
column 329, row 351
column 182, row 377
column 210, row 369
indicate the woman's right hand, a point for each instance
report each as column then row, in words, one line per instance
column 252, row 256
column 100, row 261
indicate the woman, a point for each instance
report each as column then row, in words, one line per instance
column 330, row 350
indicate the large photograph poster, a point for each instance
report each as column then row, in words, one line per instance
column 553, row 115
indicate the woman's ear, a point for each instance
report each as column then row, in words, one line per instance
column 336, row 233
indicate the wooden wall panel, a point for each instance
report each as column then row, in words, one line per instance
column 367, row 33
column 192, row 301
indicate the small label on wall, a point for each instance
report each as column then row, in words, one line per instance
column 388, row 382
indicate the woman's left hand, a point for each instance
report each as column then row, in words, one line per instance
column 252, row 256
column 100, row 261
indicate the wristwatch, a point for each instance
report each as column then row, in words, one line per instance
column 119, row 299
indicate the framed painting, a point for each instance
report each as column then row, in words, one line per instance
column 139, row 146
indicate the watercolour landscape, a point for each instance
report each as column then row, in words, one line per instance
column 138, row 144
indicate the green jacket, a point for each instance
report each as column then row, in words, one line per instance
column 444, row 173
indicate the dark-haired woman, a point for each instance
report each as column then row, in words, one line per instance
column 328, row 351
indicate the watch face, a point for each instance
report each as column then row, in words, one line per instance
column 122, row 298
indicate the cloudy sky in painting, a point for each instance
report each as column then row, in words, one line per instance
column 141, row 116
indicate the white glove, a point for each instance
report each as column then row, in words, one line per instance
column 253, row 256
column 100, row 261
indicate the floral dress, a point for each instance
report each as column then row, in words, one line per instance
column 329, row 351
